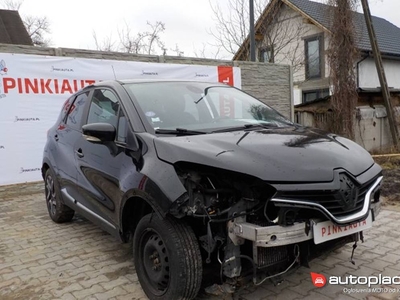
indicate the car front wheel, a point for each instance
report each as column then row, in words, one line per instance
column 58, row 211
column 167, row 258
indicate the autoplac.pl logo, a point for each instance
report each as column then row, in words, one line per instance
column 318, row 280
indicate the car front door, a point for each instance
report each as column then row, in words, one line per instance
column 99, row 165
column 65, row 136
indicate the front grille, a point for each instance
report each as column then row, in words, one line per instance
column 270, row 256
column 334, row 201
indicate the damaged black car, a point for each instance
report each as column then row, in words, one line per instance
column 209, row 184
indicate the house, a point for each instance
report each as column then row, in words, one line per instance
column 12, row 29
column 297, row 32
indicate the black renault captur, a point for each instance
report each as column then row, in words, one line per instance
column 203, row 176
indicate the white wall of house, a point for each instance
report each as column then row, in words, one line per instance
column 299, row 75
column 327, row 68
column 297, row 95
column 293, row 53
column 297, row 28
column 368, row 76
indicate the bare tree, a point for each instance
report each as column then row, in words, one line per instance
column 178, row 51
column 37, row 26
column 107, row 44
column 153, row 36
column 130, row 43
column 147, row 42
column 232, row 22
column 12, row 4
column 274, row 35
column 203, row 53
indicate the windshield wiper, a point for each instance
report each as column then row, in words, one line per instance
column 246, row 126
column 179, row 131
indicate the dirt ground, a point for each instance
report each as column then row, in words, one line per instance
column 391, row 182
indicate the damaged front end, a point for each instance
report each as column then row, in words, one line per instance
column 250, row 228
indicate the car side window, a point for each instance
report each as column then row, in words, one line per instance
column 104, row 107
column 75, row 111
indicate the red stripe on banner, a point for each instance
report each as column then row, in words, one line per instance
column 225, row 74
column 227, row 107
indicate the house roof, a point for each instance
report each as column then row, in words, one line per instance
column 387, row 34
column 12, row 29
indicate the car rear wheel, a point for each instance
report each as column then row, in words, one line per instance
column 167, row 258
column 58, row 211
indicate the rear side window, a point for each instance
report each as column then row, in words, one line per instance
column 75, row 112
column 103, row 108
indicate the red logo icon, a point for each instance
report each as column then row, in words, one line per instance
column 318, row 280
column 225, row 74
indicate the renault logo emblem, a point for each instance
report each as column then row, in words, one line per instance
column 348, row 192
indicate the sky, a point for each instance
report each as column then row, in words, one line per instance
column 188, row 22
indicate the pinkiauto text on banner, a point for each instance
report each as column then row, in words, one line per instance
column 33, row 89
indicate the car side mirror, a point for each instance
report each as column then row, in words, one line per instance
column 99, row 132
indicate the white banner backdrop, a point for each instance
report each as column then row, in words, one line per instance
column 33, row 89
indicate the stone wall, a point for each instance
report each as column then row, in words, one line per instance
column 270, row 83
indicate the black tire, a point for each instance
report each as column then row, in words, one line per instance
column 167, row 258
column 58, row 211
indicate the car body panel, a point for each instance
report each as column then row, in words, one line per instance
column 60, row 149
column 273, row 155
column 98, row 175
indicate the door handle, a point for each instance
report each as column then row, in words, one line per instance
column 79, row 153
column 56, row 137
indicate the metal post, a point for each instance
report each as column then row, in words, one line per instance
column 252, row 33
column 381, row 74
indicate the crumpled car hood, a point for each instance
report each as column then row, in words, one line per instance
column 275, row 155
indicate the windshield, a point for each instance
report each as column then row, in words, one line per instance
column 201, row 106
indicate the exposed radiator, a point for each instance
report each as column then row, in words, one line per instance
column 266, row 257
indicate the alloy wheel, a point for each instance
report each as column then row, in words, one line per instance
column 51, row 195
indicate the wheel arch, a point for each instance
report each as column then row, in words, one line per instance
column 133, row 208
column 45, row 167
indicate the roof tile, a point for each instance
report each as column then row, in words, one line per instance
column 12, row 29
column 387, row 34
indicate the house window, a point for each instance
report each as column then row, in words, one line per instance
column 266, row 55
column 313, row 59
column 309, row 96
